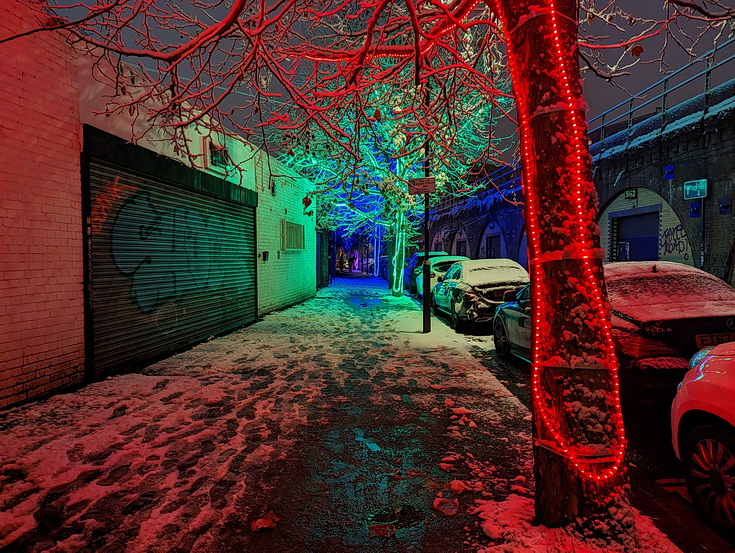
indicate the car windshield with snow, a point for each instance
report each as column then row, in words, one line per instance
column 438, row 266
column 662, row 313
column 470, row 290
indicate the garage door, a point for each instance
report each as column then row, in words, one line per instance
column 170, row 262
column 636, row 237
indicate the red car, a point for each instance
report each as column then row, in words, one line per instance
column 662, row 313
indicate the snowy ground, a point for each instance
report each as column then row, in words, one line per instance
column 332, row 426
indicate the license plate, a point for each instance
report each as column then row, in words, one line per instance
column 704, row 340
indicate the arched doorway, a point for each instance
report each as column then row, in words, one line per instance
column 492, row 243
column 459, row 244
column 437, row 242
column 640, row 225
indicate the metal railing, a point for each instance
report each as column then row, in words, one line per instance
column 690, row 93
column 622, row 123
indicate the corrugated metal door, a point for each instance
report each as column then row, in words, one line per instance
column 637, row 237
column 492, row 246
column 169, row 266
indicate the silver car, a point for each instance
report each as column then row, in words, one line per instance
column 470, row 290
column 438, row 266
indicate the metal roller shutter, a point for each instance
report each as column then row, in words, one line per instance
column 169, row 266
column 637, row 237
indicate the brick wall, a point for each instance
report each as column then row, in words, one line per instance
column 699, row 151
column 41, row 300
column 287, row 276
column 674, row 244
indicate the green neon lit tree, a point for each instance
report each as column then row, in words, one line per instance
column 363, row 180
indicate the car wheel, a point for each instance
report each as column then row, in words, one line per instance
column 709, row 470
column 457, row 323
column 500, row 337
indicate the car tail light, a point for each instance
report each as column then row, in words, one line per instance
column 432, row 275
column 470, row 294
column 636, row 346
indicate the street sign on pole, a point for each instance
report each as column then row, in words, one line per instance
column 425, row 185
column 694, row 189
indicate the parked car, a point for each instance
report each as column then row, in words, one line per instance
column 662, row 313
column 437, row 267
column 703, row 434
column 471, row 290
column 414, row 267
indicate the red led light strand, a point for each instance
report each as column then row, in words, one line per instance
column 582, row 224
column 585, row 254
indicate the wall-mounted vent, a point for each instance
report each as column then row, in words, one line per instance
column 292, row 236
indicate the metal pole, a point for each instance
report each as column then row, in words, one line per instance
column 427, row 279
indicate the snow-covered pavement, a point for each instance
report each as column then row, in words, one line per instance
column 332, row 426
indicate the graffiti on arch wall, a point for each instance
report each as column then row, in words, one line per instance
column 673, row 244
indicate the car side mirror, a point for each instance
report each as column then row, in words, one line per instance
column 509, row 295
column 439, row 278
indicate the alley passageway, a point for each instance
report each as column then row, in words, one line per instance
column 335, row 425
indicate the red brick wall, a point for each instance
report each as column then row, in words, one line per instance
column 41, row 301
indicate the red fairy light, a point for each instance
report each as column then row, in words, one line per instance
column 582, row 239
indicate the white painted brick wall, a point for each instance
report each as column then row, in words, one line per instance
column 287, row 277
column 41, row 299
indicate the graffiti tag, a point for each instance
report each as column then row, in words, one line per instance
column 674, row 240
column 172, row 254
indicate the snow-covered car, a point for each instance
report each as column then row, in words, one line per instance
column 703, row 434
column 662, row 313
column 413, row 268
column 471, row 290
column 438, row 266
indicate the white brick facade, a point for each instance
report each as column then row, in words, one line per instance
column 287, row 276
column 48, row 92
column 41, row 303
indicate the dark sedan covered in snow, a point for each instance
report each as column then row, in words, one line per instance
column 470, row 290
column 662, row 313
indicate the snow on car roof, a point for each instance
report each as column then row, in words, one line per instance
column 477, row 272
column 663, row 290
column 450, row 259
column 628, row 269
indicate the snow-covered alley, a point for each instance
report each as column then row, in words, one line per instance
column 332, row 426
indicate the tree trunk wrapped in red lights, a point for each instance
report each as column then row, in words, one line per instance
column 578, row 428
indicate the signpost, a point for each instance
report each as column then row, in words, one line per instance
column 695, row 189
column 425, row 186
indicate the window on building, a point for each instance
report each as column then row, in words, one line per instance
column 293, row 235
column 462, row 247
column 218, row 156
